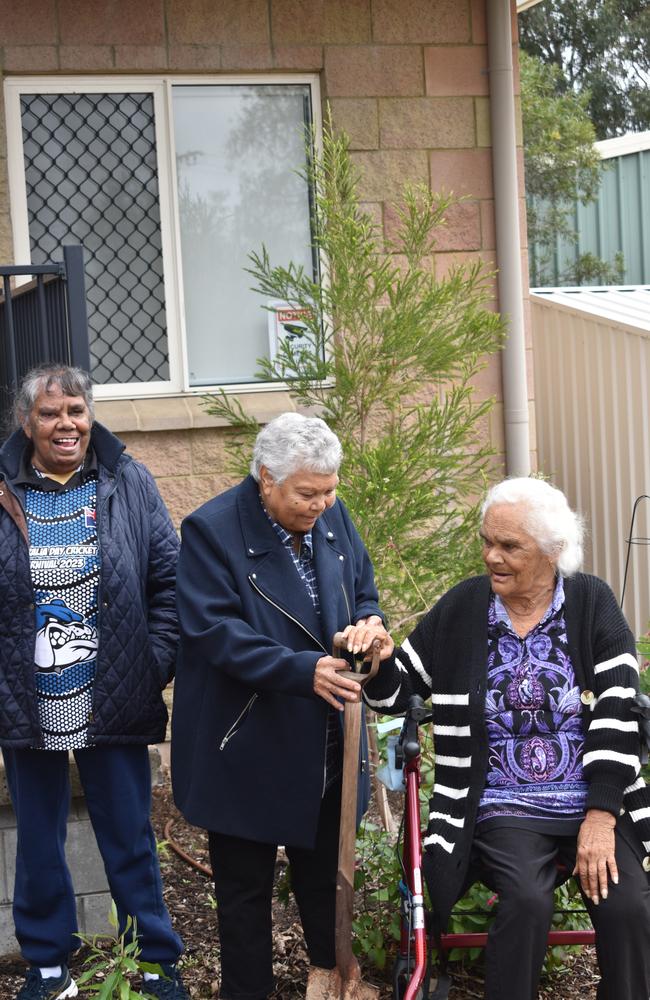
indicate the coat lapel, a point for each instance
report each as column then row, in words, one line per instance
column 271, row 567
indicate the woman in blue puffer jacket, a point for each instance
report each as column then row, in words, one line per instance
column 87, row 570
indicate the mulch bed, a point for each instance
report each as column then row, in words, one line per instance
column 189, row 895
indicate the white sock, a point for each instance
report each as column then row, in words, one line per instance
column 50, row 971
column 151, row 975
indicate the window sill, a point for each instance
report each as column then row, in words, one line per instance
column 183, row 412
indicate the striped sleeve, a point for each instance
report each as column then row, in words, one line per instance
column 611, row 758
column 406, row 673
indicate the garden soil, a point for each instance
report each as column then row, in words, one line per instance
column 189, row 895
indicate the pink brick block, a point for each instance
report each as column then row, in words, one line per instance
column 204, row 22
column 32, row 23
column 6, row 238
column 456, row 69
column 140, row 57
column 487, row 383
column 308, row 58
column 445, row 262
column 95, row 22
column 326, row 21
column 374, row 71
column 246, row 57
column 427, row 123
column 205, row 58
column 86, row 58
column 385, row 172
column 359, row 119
column 421, row 21
column 31, row 58
column 463, row 172
column 462, row 229
column 488, row 237
column 479, row 23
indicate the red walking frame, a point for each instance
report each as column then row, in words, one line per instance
column 412, row 969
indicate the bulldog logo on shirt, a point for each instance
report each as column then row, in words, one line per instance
column 62, row 637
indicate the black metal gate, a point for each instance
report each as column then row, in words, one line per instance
column 43, row 320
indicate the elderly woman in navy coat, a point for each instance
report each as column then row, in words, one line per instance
column 269, row 571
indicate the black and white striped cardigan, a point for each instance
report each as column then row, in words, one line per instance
column 445, row 659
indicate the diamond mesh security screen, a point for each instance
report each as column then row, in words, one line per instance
column 90, row 169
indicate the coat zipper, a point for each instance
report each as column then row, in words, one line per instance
column 238, row 721
column 287, row 615
column 318, row 643
column 347, row 603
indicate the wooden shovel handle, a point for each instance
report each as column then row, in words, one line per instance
column 338, row 642
column 346, row 961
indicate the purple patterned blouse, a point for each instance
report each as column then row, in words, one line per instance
column 534, row 723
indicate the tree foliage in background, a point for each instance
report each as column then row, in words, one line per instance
column 391, row 355
column 601, row 48
column 561, row 167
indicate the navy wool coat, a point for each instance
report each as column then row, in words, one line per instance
column 248, row 731
column 136, row 655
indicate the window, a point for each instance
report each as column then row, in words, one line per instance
column 169, row 185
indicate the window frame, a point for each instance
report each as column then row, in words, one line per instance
column 161, row 87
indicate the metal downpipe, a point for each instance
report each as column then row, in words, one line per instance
column 506, row 210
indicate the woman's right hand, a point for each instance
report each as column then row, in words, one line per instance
column 329, row 684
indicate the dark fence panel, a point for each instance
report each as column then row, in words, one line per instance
column 44, row 320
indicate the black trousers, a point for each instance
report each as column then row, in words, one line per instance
column 521, row 866
column 243, row 879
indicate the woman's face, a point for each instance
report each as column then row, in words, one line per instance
column 299, row 501
column 515, row 563
column 59, row 429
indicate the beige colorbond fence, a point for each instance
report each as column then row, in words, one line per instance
column 591, row 352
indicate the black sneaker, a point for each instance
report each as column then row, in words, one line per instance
column 169, row 988
column 52, row 988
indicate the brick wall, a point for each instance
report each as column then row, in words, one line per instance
column 406, row 79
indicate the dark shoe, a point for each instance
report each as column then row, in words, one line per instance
column 169, row 988
column 53, row 988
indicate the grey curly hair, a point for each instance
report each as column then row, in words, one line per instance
column 71, row 381
column 293, row 441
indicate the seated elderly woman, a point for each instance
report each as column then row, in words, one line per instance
column 532, row 671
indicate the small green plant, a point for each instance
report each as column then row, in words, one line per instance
column 113, row 962
column 376, row 881
column 162, row 849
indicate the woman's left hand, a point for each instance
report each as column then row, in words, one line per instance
column 595, row 861
column 359, row 638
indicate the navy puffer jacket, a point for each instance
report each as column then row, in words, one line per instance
column 137, row 620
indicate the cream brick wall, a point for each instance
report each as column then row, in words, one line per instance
column 406, row 80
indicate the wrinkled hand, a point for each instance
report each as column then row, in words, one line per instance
column 329, row 684
column 595, row 857
column 359, row 638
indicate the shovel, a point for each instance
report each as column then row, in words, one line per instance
column 344, row 982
